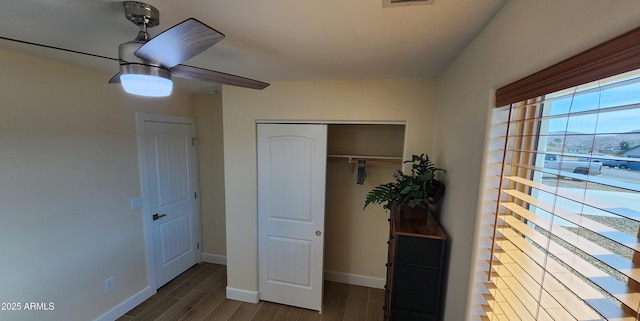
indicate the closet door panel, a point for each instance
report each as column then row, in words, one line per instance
column 291, row 195
column 291, row 157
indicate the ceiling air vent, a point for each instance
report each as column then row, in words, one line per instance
column 401, row 3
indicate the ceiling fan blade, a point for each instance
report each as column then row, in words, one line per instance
column 115, row 79
column 56, row 48
column 179, row 43
column 190, row 72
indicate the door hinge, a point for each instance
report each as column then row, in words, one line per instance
column 195, row 194
column 193, row 141
column 198, row 246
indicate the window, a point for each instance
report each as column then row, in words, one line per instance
column 566, row 197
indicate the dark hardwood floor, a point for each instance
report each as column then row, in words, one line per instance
column 199, row 294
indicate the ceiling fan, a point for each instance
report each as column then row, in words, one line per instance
column 147, row 64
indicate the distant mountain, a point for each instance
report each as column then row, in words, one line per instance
column 588, row 143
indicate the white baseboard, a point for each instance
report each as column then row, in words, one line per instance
column 243, row 295
column 355, row 279
column 128, row 304
column 214, row 258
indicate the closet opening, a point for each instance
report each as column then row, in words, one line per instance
column 359, row 158
column 312, row 182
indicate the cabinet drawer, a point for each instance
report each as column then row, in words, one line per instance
column 401, row 315
column 416, row 289
column 418, row 251
column 415, row 303
column 416, row 280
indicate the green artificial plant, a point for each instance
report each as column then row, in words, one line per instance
column 418, row 189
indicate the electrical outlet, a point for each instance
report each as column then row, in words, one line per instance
column 109, row 283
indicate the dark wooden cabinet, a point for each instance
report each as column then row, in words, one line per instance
column 415, row 270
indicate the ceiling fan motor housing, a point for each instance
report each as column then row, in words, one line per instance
column 132, row 64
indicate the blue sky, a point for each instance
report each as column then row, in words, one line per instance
column 622, row 121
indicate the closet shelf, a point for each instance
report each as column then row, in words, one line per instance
column 350, row 159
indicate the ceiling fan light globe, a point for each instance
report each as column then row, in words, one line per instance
column 146, row 85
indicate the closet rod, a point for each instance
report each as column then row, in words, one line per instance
column 384, row 160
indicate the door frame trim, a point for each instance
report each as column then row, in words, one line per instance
column 332, row 122
column 141, row 118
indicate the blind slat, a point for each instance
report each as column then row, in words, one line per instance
column 579, row 220
column 563, row 279
column 580, row 177
column 569, row 113
column 574, row 306
column 576, row 196
column 601, row 254
column 559, row 297
column 619, row 290
column 510, row 305
column 612, row 235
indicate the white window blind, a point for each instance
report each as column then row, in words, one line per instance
column 567, row 213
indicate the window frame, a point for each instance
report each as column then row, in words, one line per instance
column 614, row 57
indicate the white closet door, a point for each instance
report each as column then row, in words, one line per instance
column 291, row 190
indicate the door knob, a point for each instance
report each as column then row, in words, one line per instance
column 157, row 216
column 318, row 233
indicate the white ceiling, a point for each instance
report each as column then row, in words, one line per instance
column 268, row 40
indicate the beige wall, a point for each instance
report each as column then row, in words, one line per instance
column 523, row 38
column 373, row 100
column 68, row 169
column 208, row 109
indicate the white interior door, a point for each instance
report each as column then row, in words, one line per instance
column 291, row 188
column 170, row 197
